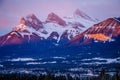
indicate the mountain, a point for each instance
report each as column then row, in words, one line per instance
column 52, row 17
column 100, row 40
column 104, row 31
column 32, row 21
column 74, row 34
column 81, row 14
column 71, row 42
column 55, row 29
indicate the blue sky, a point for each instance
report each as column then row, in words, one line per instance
column 12, row 10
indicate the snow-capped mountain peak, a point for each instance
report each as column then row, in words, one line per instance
column 32, row 21
column 31, row 16
column 55, row 28
column 80, row 19
column 52, row 17
column 22, row 21
column 109, row 27
column 21, row 26
column 106, row 30
column 79, row 13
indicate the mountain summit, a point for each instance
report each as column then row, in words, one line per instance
column 52, row 17
column 32, row 21
column 81, row 14
column 55, row 30
column 104, row 31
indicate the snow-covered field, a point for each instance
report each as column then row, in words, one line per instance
column 57, row 63
column 100, row 61
column 57, row 60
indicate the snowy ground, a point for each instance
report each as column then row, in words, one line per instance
column 58, row 63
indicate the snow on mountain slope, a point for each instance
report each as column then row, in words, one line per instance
column 109, row 27
column 31, row 28
column 80, row 19
column 103, row 31
column 32, row 21
column 79, row 22
column 79, row 13
column 52, row 17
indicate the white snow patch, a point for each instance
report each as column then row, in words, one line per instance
column 76, row 69
column 35, row 63
column 38, row 63
column 52, row 62
column 22, row 59
column 66, row 62
column 100, row 61
column 53, row 27
column 59, row 57
column 83, row 21
column 1, row 65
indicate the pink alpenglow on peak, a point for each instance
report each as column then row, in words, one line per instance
column 52, row 17
column 79, row 13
